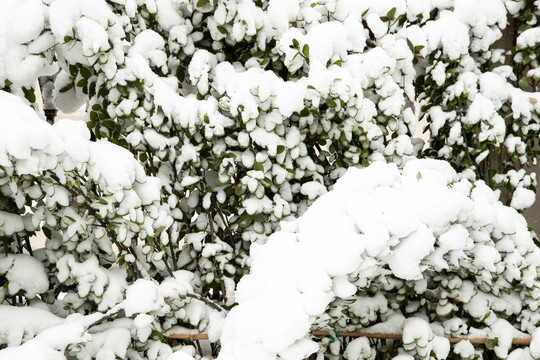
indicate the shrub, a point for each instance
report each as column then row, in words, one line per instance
column 223, row 118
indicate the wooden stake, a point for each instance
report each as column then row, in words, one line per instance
column 453, row 340
column 190, row 337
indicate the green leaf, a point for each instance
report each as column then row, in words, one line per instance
column 305, row 50
column 111, row 226
column 92, row 89
column 390, row 14
column 365, row 12
column 410, row 44
column 365, row 162
column 258, row 167
column 159, row 231
column 66, row 88
column 30, row 95
column 201, row 3
column 47, row 232
column 73, row 70
column 259, row 218
column 491, row 343
column 267, row 182
column 280, row 149
column 109, row 124
column 85, row 73
column 180, row 74
column 82, row 83
column 524, row 82
column 221, row 29
column 244, row 220
column 139, row 85
column 295, row 43
column 240, row 189
column 93, row 116
column 331, row 103
column 96, row 107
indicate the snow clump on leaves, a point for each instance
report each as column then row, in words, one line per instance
column 423, row 251
column 224, row 118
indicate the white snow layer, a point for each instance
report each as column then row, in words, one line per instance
column 375, row 218
column 32, row 146
column 41, row 333
column 21, row 41
column 23, row 272
column 22, row 323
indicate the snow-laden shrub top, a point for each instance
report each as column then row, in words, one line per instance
column 47, row 336
column 235, row 115
column 92, row 200
column 248, row 111
column 423, row 251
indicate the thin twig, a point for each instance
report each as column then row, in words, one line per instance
column 28, row 245
column 94, row 213
column 105, row 318
column 208, row 302
column 226, row 223
column 199, row 347
column 173, row 255
column 220, row 273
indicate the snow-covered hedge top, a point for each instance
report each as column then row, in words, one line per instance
column 249, row 110
column 385, row 247
column 246, row 111
column 483, row 102
column 30, row 146
column 89, row 198
column 33, row 332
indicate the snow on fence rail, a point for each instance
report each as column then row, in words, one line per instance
column 516, row 341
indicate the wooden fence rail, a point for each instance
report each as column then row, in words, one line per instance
column 453, row 340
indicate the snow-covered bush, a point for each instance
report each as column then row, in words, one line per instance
column 248, row 111
column 95, row 205
column 424, row 251
column 480, row 92
column 234, row 115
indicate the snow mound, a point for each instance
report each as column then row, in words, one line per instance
column 23, row 273
column 382, row 229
